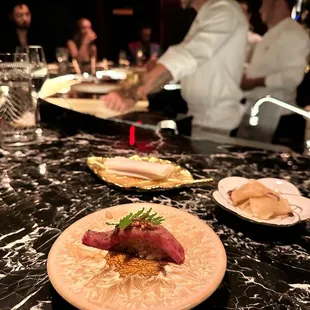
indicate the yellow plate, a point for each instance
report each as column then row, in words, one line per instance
column 180, row 178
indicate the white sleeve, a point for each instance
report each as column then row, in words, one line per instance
column 214, row 28
column 293, row 61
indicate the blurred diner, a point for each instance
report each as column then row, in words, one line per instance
column 144, row 49
column 82, row 46
column 19, row 31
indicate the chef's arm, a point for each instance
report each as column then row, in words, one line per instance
column 154, row 80
column 151, row 83
column 126, row 98
column 214, row 31
column 185, row 58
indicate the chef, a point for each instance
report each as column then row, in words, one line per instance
column 276, row 69
column 209, row 64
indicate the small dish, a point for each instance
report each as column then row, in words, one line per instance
column 83, row 276
column 180, row 178
column 300, row 205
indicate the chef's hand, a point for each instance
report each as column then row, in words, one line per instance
column 115, row 102
column 251, row 83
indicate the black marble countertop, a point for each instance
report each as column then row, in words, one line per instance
column 46, row 188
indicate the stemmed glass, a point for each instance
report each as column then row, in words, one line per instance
column 37, row 60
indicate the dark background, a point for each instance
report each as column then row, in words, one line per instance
column 54, row 22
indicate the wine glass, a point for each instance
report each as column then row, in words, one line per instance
column 62, row 54
column 39, row 70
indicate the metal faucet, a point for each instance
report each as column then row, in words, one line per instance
column 254, row 119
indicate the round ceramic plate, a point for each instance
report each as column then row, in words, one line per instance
column 300, row 205
column 93, row 88
column 82, row 276
column 180, row 178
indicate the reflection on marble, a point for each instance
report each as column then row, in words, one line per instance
column 46, row 188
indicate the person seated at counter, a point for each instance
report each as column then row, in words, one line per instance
column 253, row 38
column 209, row 64
column 276, row 69
column 82, row 46
column 144, row 48
column 19, row 31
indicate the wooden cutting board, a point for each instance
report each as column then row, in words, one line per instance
column 94, row 107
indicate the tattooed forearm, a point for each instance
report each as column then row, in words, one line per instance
column 152, row 83
column 131, row 92
column 156, row 79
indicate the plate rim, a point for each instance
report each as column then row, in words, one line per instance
column 202, row 297
column 261, row 179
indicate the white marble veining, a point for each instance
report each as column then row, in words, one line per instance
column 45, row 189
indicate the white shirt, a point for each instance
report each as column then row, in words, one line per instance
column 209, row 63
column 281, row 58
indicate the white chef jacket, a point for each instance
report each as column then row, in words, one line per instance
column 209, row 63
column 281, row 58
